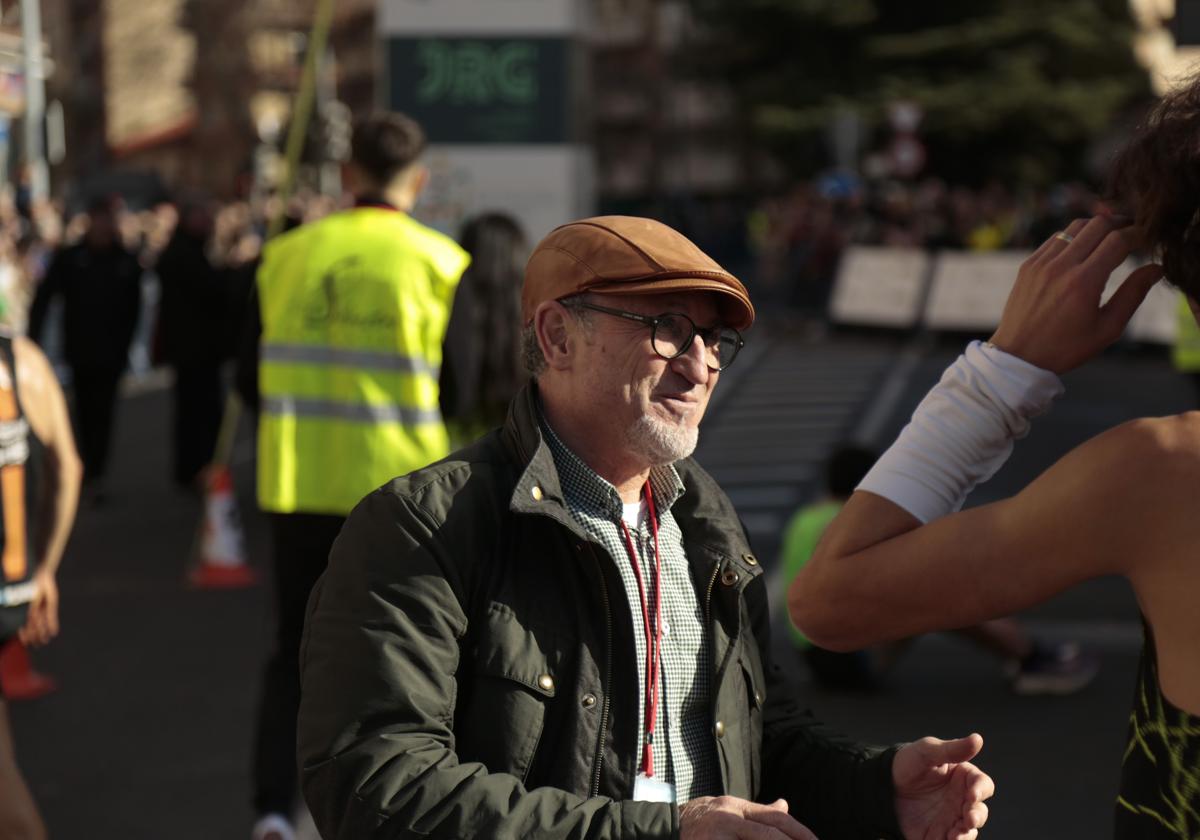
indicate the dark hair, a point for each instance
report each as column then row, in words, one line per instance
column 1156, row 180
column 847, row 466
column 483, row 342
column 384, row 143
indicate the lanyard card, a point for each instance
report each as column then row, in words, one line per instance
column 648, row 789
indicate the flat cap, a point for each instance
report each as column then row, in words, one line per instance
column 627, row 255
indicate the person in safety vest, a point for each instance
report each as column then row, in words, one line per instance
column 353, row 309
column 40, row 474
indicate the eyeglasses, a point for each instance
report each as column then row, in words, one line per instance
column 672, row 334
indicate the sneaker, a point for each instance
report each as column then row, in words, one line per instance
column 273, row 827
column 1054, row 669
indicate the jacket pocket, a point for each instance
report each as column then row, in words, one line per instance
column 752, row 674
column 503, row 692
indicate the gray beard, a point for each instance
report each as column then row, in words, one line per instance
column 659, row 442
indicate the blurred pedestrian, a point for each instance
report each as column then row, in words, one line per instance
column 353, row 310
column 900, row 560
column 481, row 356
column 99, row 282
column 1032, row 666
column 39, row 490
column 192, row 314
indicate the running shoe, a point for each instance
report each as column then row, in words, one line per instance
column 1054, row 669
column 273, row 827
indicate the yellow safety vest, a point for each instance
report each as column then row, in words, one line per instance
column 354, row 309
column 1186, row 352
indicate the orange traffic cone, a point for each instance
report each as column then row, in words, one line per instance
column 222, row 550
column 19, row 679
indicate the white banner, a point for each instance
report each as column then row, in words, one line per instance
column 879, row 286
column 969, row 289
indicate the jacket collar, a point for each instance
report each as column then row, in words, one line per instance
column 704, row 513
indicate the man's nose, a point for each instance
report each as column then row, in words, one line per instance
column 694, row 363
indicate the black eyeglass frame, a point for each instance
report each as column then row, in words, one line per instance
column 652, row 321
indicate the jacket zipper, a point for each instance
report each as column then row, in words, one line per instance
column 604, row 707
column 708, row 595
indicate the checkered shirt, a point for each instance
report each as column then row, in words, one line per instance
column 684, row 752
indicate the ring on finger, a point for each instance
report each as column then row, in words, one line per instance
column 1064, row 236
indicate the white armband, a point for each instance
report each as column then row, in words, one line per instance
column 962, row 432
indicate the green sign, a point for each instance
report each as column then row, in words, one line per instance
column 482, row 90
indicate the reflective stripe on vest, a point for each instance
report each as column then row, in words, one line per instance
column 346, row 357
column 358, row 413
column 354, row 309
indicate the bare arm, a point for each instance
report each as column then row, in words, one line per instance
column 46, row 411
column 879, row 574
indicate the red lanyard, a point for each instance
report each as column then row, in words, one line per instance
column 653, row 632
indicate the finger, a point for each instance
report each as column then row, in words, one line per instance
column 1089, row 236
column 981, row 786
column 956, row 751
column 1115, row 314
column 1056, row 243
column 976, row 815
column 1113, row 250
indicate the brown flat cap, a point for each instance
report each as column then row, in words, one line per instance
column 627, row 255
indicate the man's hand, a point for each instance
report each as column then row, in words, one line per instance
column 939, row 793
column 41, row 625
column 1053, row 317
column 730, row 818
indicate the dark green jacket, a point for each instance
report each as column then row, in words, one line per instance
column 468, row 667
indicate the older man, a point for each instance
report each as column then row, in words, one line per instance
column 561, row 630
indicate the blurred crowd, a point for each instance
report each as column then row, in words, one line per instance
column 798, row 237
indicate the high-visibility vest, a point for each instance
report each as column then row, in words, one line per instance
column 1186, row 352
column 354, row 309
column 800, row 539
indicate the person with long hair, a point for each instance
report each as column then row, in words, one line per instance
column 481, row 354
column 899, row 560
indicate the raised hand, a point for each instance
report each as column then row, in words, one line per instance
column 939, row 793
column 1053, row 317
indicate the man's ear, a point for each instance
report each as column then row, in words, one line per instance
column 556, row 331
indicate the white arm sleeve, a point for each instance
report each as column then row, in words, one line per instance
column 962, row 432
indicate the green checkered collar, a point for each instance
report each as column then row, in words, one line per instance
column 585, row 490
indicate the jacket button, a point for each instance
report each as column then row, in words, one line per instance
column 588, row 701
column 546, row 682
column 729, row 578
column 536, row 492
column 750, row 559
column 719, row 728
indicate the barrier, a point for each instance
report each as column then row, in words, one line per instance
column 968, row 289
column 880, row 287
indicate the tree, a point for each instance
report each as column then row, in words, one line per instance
column 1013, row 89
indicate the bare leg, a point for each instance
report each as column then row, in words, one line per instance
column 19, row 818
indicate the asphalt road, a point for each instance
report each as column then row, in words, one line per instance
column 149, row 733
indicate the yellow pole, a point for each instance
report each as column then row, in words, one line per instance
column 301, row 115
column 302, row 108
